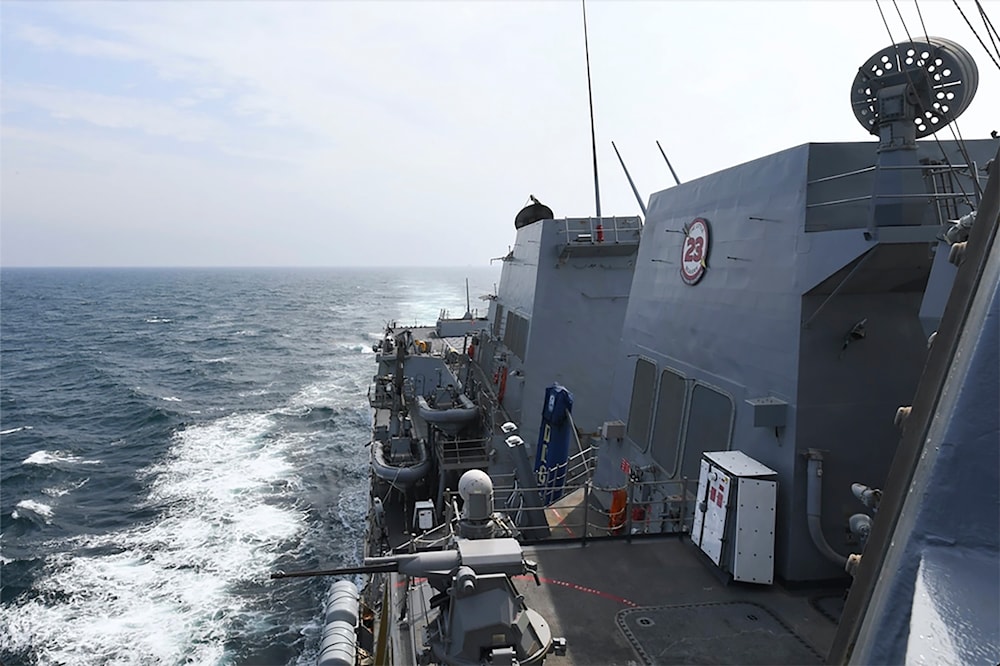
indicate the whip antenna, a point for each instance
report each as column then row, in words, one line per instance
column 590, row 96
column 669, row 166
column 642, row 206
column 468, row 304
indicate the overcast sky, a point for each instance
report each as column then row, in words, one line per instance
column 411, row 133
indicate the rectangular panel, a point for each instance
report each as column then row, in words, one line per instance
column 498, row 321
column 714, row 530
column 640, row 409
column 699, row 515
column 667, row 422
column 753, row 557
column 709, row 424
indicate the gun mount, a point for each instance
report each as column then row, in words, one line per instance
column 477, row 615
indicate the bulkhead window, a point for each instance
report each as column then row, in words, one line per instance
column 640, row 410
column 669, row 418
column 709, row 427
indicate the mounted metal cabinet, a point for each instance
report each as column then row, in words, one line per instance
column 734, row 517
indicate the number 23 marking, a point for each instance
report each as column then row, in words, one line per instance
column 695, row 249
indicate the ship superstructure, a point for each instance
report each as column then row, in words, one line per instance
column 677, row 440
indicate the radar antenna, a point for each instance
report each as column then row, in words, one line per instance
column 912, row 89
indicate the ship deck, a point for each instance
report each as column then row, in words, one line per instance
column 668, row 607
column 651, row 601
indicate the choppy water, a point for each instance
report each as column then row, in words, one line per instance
column 168, row 438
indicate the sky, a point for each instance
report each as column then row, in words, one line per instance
column 408, row 133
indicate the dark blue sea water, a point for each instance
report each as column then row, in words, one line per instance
column 169, row 437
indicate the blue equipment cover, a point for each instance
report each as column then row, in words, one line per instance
column 552, row 452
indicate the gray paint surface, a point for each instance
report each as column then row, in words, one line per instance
column 577, row 324
column 945, row 560
column 775, row 265
column 574, row 290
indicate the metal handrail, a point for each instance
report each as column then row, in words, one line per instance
column 613, row 234
column 671, row 512
column 867, row 197
column 938, row 168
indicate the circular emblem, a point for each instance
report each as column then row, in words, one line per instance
column 694, row 254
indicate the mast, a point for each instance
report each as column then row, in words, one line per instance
column 672, row 172
column 468, row 304
column 635, row 191
column 590, row 96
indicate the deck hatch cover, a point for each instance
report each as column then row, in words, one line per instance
column 713, row 633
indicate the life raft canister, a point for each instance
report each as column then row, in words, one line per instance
column 616, row 516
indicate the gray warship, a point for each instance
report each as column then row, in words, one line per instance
column 758, row 427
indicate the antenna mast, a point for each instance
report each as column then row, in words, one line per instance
column 672, row 172
column 590, row 95
column 642, row 206
column 468, row 304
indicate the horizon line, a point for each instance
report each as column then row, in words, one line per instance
column 236, row 267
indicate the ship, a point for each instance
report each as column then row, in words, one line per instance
column 759, row 426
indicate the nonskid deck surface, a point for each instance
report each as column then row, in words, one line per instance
column 725, row 632
column 639, row 589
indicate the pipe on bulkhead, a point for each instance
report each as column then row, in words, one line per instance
column 814, row 506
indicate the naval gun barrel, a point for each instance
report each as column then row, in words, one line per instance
column 343, row 571
column 485, row 556
column 411, row 564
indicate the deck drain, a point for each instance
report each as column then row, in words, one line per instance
column 644, row 621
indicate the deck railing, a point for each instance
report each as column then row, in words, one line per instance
column 611, row 230
column 943, row 180
column 586, row 511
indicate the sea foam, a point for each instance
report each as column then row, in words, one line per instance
column 11, row 431
column 32, row 510
column 164, row 592
column 56, row 458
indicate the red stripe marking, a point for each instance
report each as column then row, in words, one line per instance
column 581, row 588
column 562, row 519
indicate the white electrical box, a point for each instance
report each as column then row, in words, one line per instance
column 423, row 515
column 734, row 515
column 613, row 430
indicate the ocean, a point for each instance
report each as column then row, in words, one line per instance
column 170, row 437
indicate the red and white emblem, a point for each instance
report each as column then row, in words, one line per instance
column 694, row 254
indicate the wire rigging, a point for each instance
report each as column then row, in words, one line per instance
column 885, row 22
column 923, row 26
column 900, row 14
column 955, row 130
column 986, row 19
column 974, row 32
column 988, row 25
